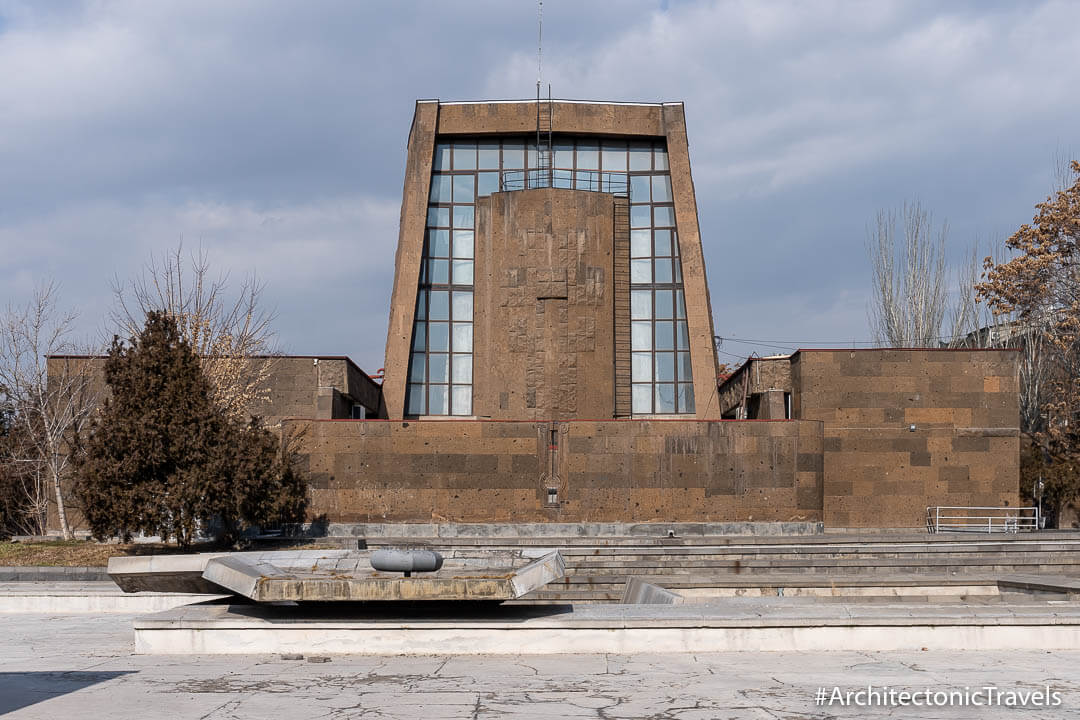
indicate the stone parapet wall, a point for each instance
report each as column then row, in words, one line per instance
column 569, row 533
column 603, row 471
column 489, row 118
column 879, row 470
column 880, row 478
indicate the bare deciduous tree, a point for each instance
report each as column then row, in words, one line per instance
column 911, row 285
column 47, row 410
column 970, row 318
column 1035, row 368
column 1040, row 288
column 232, row 336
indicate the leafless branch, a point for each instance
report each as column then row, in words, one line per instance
column 232, row 336
column 48, row 408
column 910, row 280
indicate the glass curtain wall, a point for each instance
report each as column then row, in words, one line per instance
column 441, row 364
column 661, row 376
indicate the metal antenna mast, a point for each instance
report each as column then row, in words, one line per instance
column 539, row 38
column 543, row 110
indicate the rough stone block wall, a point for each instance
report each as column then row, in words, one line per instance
column 691, row 471
column 543, row 324
column 604, row 471
column 294, row 384
column 754, row 377
column 571, row 118
column 964, row 450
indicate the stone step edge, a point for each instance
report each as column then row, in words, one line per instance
column 54, row 573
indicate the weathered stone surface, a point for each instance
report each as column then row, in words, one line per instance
column 964, row 449
column 543, row 313
column 345, row 575
column 639, row 592
column 904, row 429
column 733, row 624
column 83, row 667
column 461, row 471
column 180, row 573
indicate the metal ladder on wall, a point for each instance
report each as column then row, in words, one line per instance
column 621, row 286
column 544, row 175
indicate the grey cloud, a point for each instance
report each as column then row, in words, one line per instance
column 274, row 134
column 804, row 119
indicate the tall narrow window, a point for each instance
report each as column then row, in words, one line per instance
column 661, row 376
column 441, row 363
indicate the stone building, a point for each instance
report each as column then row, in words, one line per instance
column 326, row 387
column 314, row 387
column 903, row 429
column 550, row 358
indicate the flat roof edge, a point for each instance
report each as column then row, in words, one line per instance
column 904, row 349
column 554, row 100
column 346, row 358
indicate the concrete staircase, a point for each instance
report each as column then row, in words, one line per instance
column 597, row 568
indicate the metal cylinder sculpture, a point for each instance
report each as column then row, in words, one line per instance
column 406, row 561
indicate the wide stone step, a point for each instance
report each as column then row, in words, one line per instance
column 1018, row 550
column 824, row 550
column 862, row 566
column 869, row 562
column 1065, row 569
column 660, row 540
column 967, row 587
column 573, row 544
column 576, row 595
column 826, row 575
column 1041, row 559
column 672, row 582
column 794, row 580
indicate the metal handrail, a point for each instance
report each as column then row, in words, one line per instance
column 981, row 519
column 594, row 181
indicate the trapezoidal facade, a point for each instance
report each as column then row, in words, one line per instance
column 551, row 283
column 550, row 356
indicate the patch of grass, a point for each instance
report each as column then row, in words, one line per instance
column 86, row 553
column 77, row 553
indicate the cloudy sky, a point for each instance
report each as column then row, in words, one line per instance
column 273, row 135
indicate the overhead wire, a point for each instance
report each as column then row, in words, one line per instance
column 730, row 354
column 806, row 343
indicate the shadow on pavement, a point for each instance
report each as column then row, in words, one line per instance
column 394, row 611
column 21, row 689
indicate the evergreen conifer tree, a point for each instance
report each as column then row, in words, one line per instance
column 164, row 459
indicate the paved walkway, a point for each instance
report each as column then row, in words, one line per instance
column 60, row 667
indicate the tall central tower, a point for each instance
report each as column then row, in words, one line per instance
column 561, row 285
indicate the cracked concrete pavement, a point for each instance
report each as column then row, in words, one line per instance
column 83, row 666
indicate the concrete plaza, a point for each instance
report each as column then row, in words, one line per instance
column 67, row 666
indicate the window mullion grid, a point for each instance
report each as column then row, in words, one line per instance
column 449, row 287
column 674, row 286
column 574, row 144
